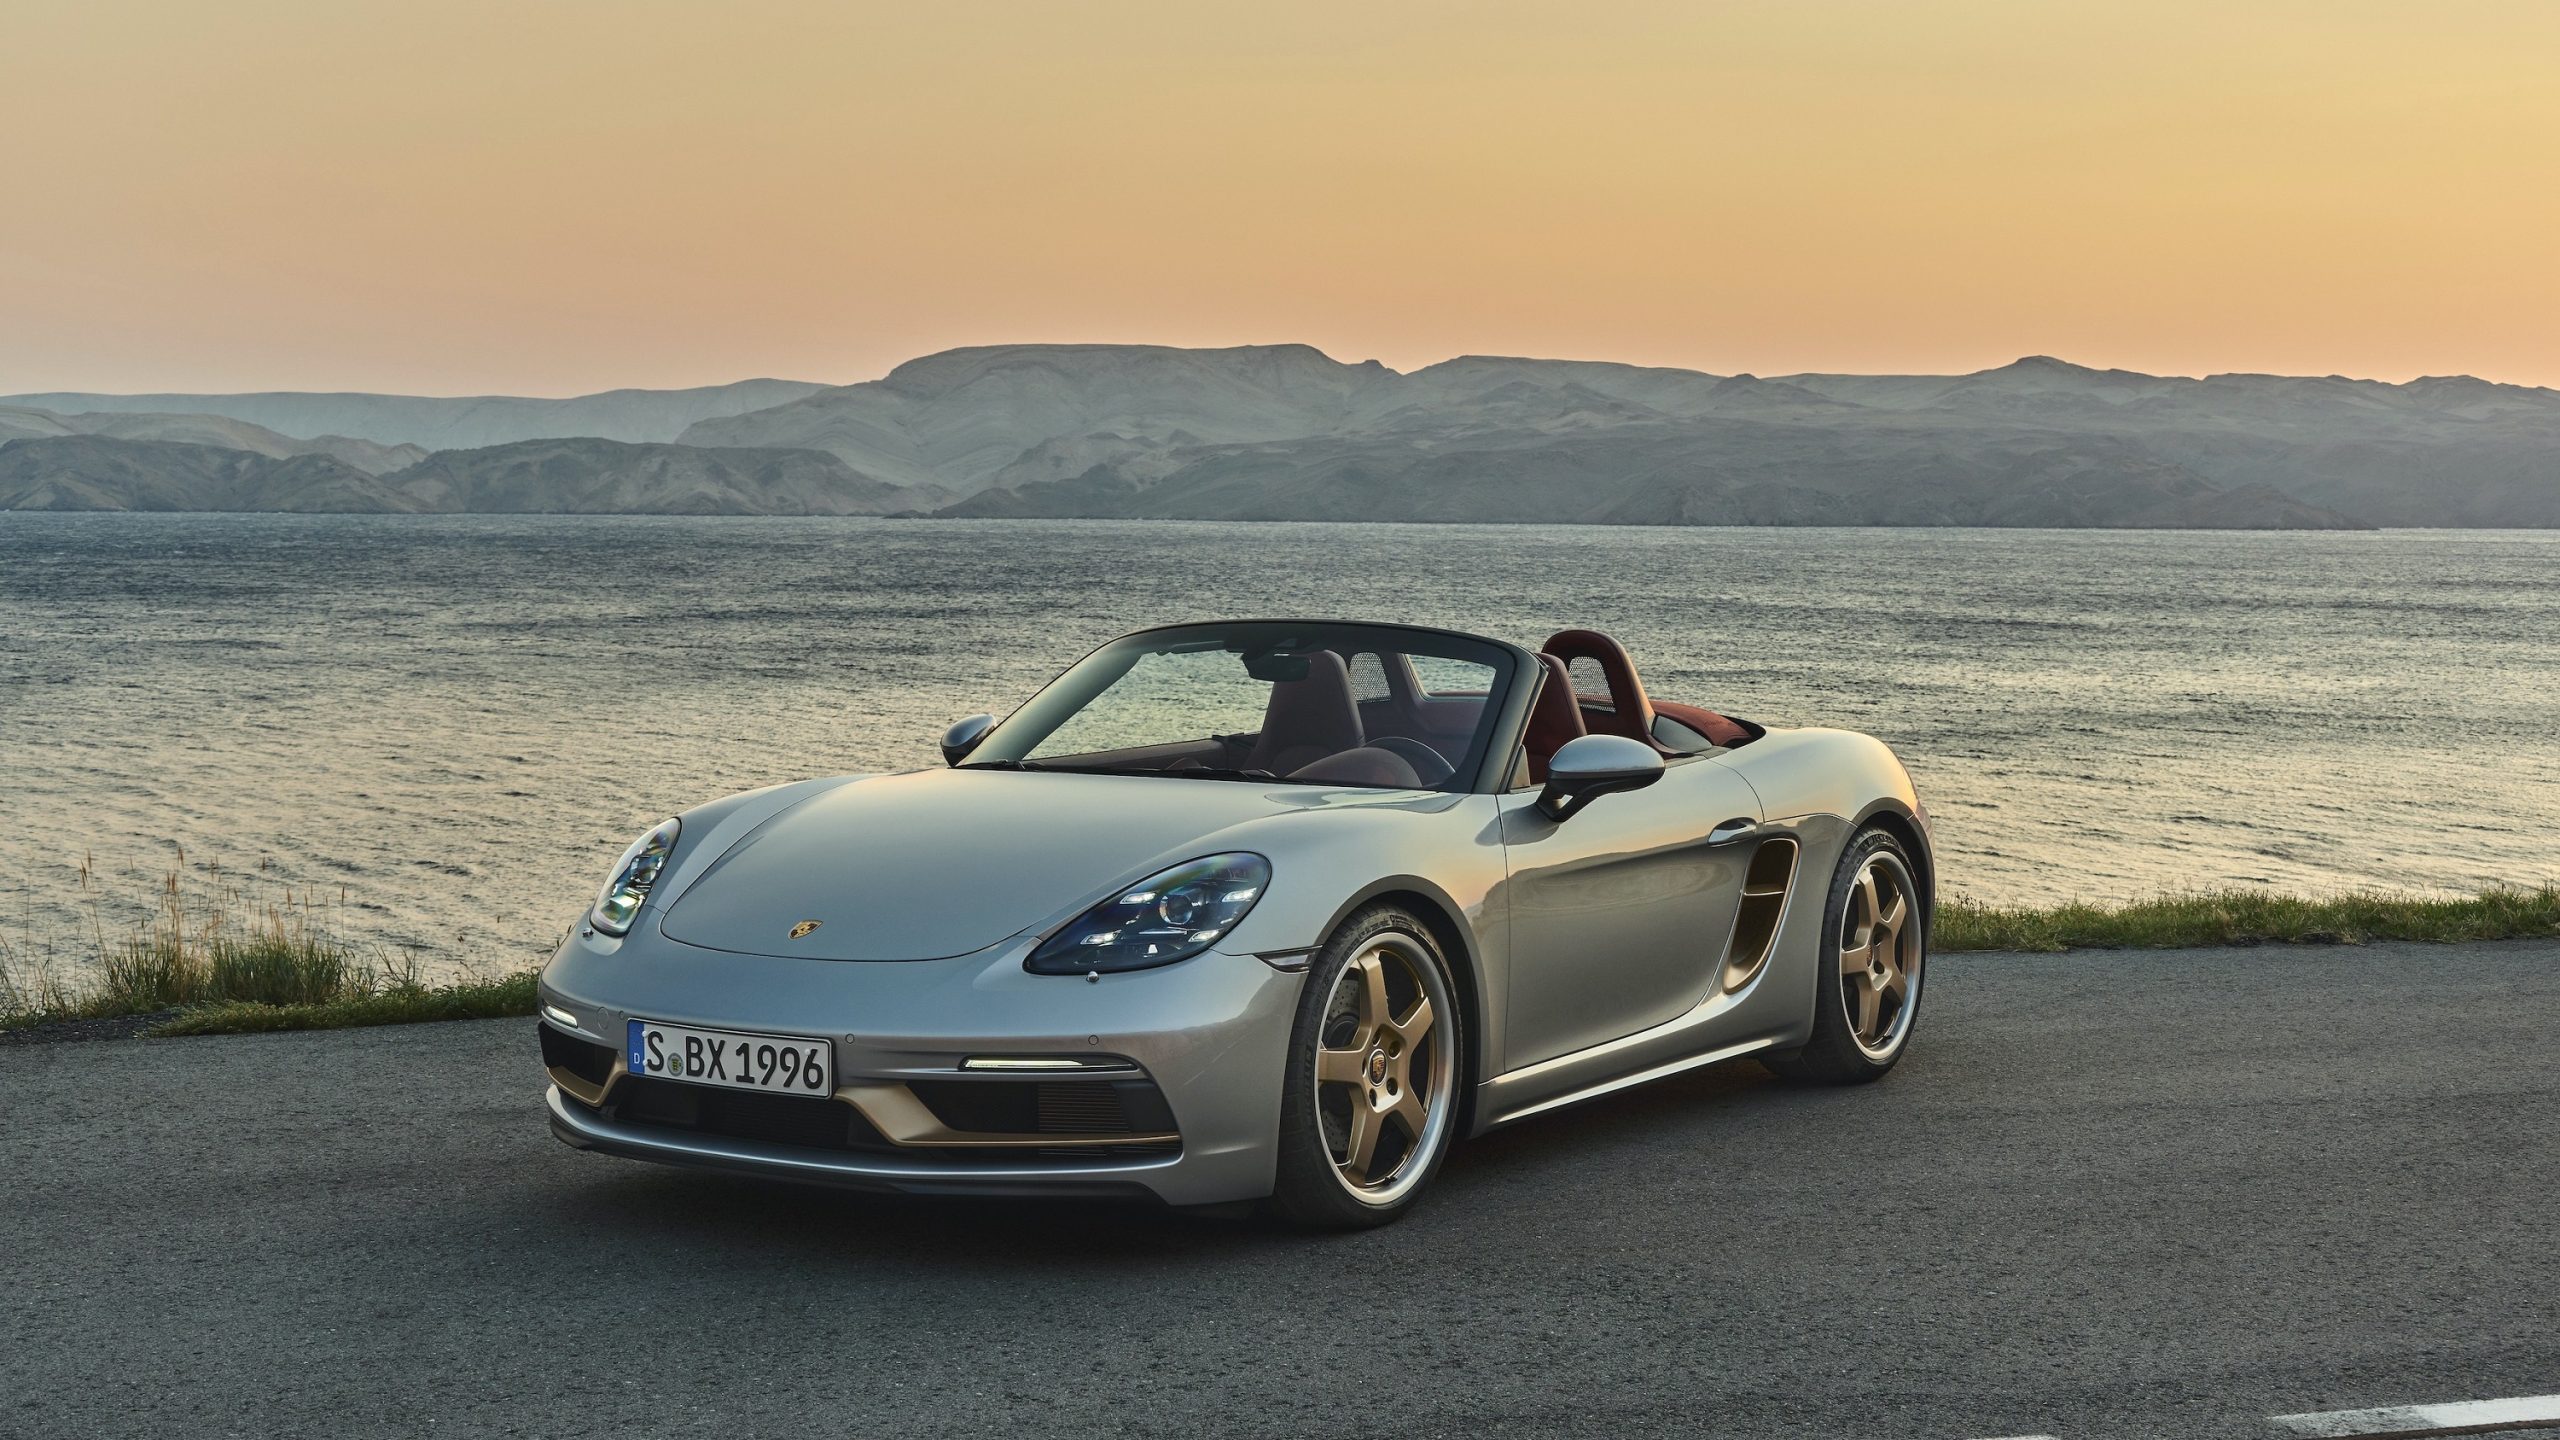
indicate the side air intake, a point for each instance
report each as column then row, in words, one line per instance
column 1764, row 900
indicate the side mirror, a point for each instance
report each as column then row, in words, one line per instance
column 1585, row 769
column 964, row 736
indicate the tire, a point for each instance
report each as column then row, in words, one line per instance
column 1367, row 1063
column 1865, row 964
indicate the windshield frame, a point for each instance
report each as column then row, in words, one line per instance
column 1480, row 771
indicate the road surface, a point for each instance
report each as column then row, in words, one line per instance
column 2135, row 1194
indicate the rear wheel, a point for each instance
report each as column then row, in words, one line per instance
column 1868, row 995
column 1370, row 1093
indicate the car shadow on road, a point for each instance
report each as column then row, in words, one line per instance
column 815, row 1224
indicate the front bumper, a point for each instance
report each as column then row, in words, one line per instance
column 1210, row 1034
column 586, row 1129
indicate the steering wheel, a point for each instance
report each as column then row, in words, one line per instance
column 1428, row 766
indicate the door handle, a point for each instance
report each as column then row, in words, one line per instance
column 1732, row 830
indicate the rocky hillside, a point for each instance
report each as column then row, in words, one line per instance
column 1276, row 431
column 95, row 472
column 603, row 477
column 1707, row 473
column 26, row 423
column 967, row 419
column 437, row 422
column 589, row 477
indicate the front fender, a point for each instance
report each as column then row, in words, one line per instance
column 1446, row 854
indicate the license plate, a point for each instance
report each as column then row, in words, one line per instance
column 777, row 1064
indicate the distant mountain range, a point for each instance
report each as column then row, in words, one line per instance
column 1285, row 432
column 573, row 476
column 447, row 423
column 92, row 472
column 222, row 431
column 609, row 477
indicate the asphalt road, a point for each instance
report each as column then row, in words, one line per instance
column 2133, row 1194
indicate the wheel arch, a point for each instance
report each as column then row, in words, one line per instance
column 1842, row 774
column 1895, row 819
column 1448, row 924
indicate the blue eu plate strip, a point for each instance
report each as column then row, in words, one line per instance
column 639, row 1060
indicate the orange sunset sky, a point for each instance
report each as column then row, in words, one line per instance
column 552, row 196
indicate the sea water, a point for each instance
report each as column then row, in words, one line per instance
column 447, row 726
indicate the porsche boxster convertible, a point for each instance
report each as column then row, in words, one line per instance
column 1269, row 910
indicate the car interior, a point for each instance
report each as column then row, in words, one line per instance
column 1367, row 718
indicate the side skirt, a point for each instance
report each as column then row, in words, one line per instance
column 1625, row 1082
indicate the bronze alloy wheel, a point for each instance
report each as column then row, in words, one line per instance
column 1880, row 954
column 1385, row 1071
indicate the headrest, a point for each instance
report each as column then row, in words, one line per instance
column 1634, row 713
column 1307, row 719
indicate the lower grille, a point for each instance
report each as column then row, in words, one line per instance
column 1080, row 1109
column 745, row 1115
column 585, row 1059
column 1048, row 1107
column 815, row 1124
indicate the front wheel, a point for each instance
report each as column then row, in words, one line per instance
column 1370, row 1092
column 1867, row 997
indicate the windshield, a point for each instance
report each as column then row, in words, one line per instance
column 1359, row 705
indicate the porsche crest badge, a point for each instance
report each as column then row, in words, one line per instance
column 803, row 928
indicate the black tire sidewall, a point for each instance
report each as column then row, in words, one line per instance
column 1832, row 1055
column 1304, row 1188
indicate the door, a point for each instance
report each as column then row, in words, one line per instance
column 1619, row 914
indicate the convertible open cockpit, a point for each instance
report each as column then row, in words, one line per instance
column 1317, row 708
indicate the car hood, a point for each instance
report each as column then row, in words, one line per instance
column 939, row 863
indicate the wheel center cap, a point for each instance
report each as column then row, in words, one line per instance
column 1377, row 1066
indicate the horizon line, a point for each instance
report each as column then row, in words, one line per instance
column 2022, row 360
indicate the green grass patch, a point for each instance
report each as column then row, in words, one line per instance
column 463, row 1000
column 232, row 960
column 2249, row 917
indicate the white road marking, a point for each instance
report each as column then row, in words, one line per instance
column 2458, row 1417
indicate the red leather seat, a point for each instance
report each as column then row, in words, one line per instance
column 1554, row 717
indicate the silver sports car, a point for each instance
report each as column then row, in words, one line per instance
column 1252, row 910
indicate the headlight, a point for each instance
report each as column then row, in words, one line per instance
column 632, row 877
column 1171, row 915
